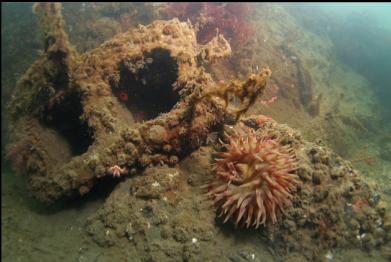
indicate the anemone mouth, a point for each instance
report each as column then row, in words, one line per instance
column 64, row 118
column 145, row 84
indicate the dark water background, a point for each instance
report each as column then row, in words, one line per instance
column 361, row 34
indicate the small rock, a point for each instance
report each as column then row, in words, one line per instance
column 180, row 235
column 320, row 195
column 316, row 178
column 290, row 225
column 165, row 232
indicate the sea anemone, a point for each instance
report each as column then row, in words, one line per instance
column 254, row 178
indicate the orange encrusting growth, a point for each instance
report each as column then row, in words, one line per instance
column 254, row 179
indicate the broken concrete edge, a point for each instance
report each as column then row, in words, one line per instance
column 165, row 139
column 50, row 77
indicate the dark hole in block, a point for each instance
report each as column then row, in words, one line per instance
column 145, row 84
column 64, row 118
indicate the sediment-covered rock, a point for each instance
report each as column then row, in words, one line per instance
column 333, row 207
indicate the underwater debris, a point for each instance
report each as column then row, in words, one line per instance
column 246, row 92
column 49, row 78
column 98, row 130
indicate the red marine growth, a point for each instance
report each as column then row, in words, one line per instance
column 230, row 19
column 123, row 95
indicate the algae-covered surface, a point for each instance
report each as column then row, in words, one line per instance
column 196, row 132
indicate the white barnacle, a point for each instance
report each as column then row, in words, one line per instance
column 171, row 175
column 329, row 255
column 360, row 237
